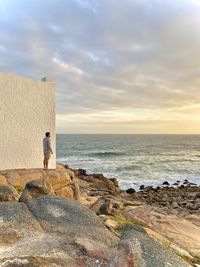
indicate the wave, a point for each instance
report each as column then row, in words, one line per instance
column 128, row 168
column 106, row 154
column 177, row 161
column 73, row 159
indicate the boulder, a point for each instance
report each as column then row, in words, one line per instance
column 146, row 251
column 166, row 183
column 142, row 187
column 35, row 189
column 8, row 193
column 53, row 231
column 130, row 191
column 106, row 208
column 180, row 231
column 67, row 216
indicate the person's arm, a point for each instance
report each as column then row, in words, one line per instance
column 49, row 146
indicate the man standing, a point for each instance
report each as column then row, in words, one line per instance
column 47, row 150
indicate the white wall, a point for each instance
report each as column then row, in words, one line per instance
column 27, row 111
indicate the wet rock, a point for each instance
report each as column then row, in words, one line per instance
column 142, row 187
column 166, row 183
column 130, row 191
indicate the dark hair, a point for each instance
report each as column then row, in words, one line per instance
column 47, row 134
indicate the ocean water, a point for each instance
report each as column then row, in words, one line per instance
column 133, row 159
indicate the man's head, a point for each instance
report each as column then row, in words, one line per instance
column 47, row 134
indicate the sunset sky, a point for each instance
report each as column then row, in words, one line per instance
column 120, row 66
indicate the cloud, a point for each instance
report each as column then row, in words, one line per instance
column 108, row 56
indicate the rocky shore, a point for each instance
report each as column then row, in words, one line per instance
column 182, row 200
column 66, row 217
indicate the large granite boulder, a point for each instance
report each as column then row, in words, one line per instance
column 35, row 189
column 149, row 252
column 52, row 231
column 67, row 216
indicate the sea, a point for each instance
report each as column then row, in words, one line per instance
column 133, row 159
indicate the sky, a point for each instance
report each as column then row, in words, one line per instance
column 120, row 66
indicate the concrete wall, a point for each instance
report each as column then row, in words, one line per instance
column 27, row 111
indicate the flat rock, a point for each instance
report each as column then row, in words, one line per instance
column 61, row 179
